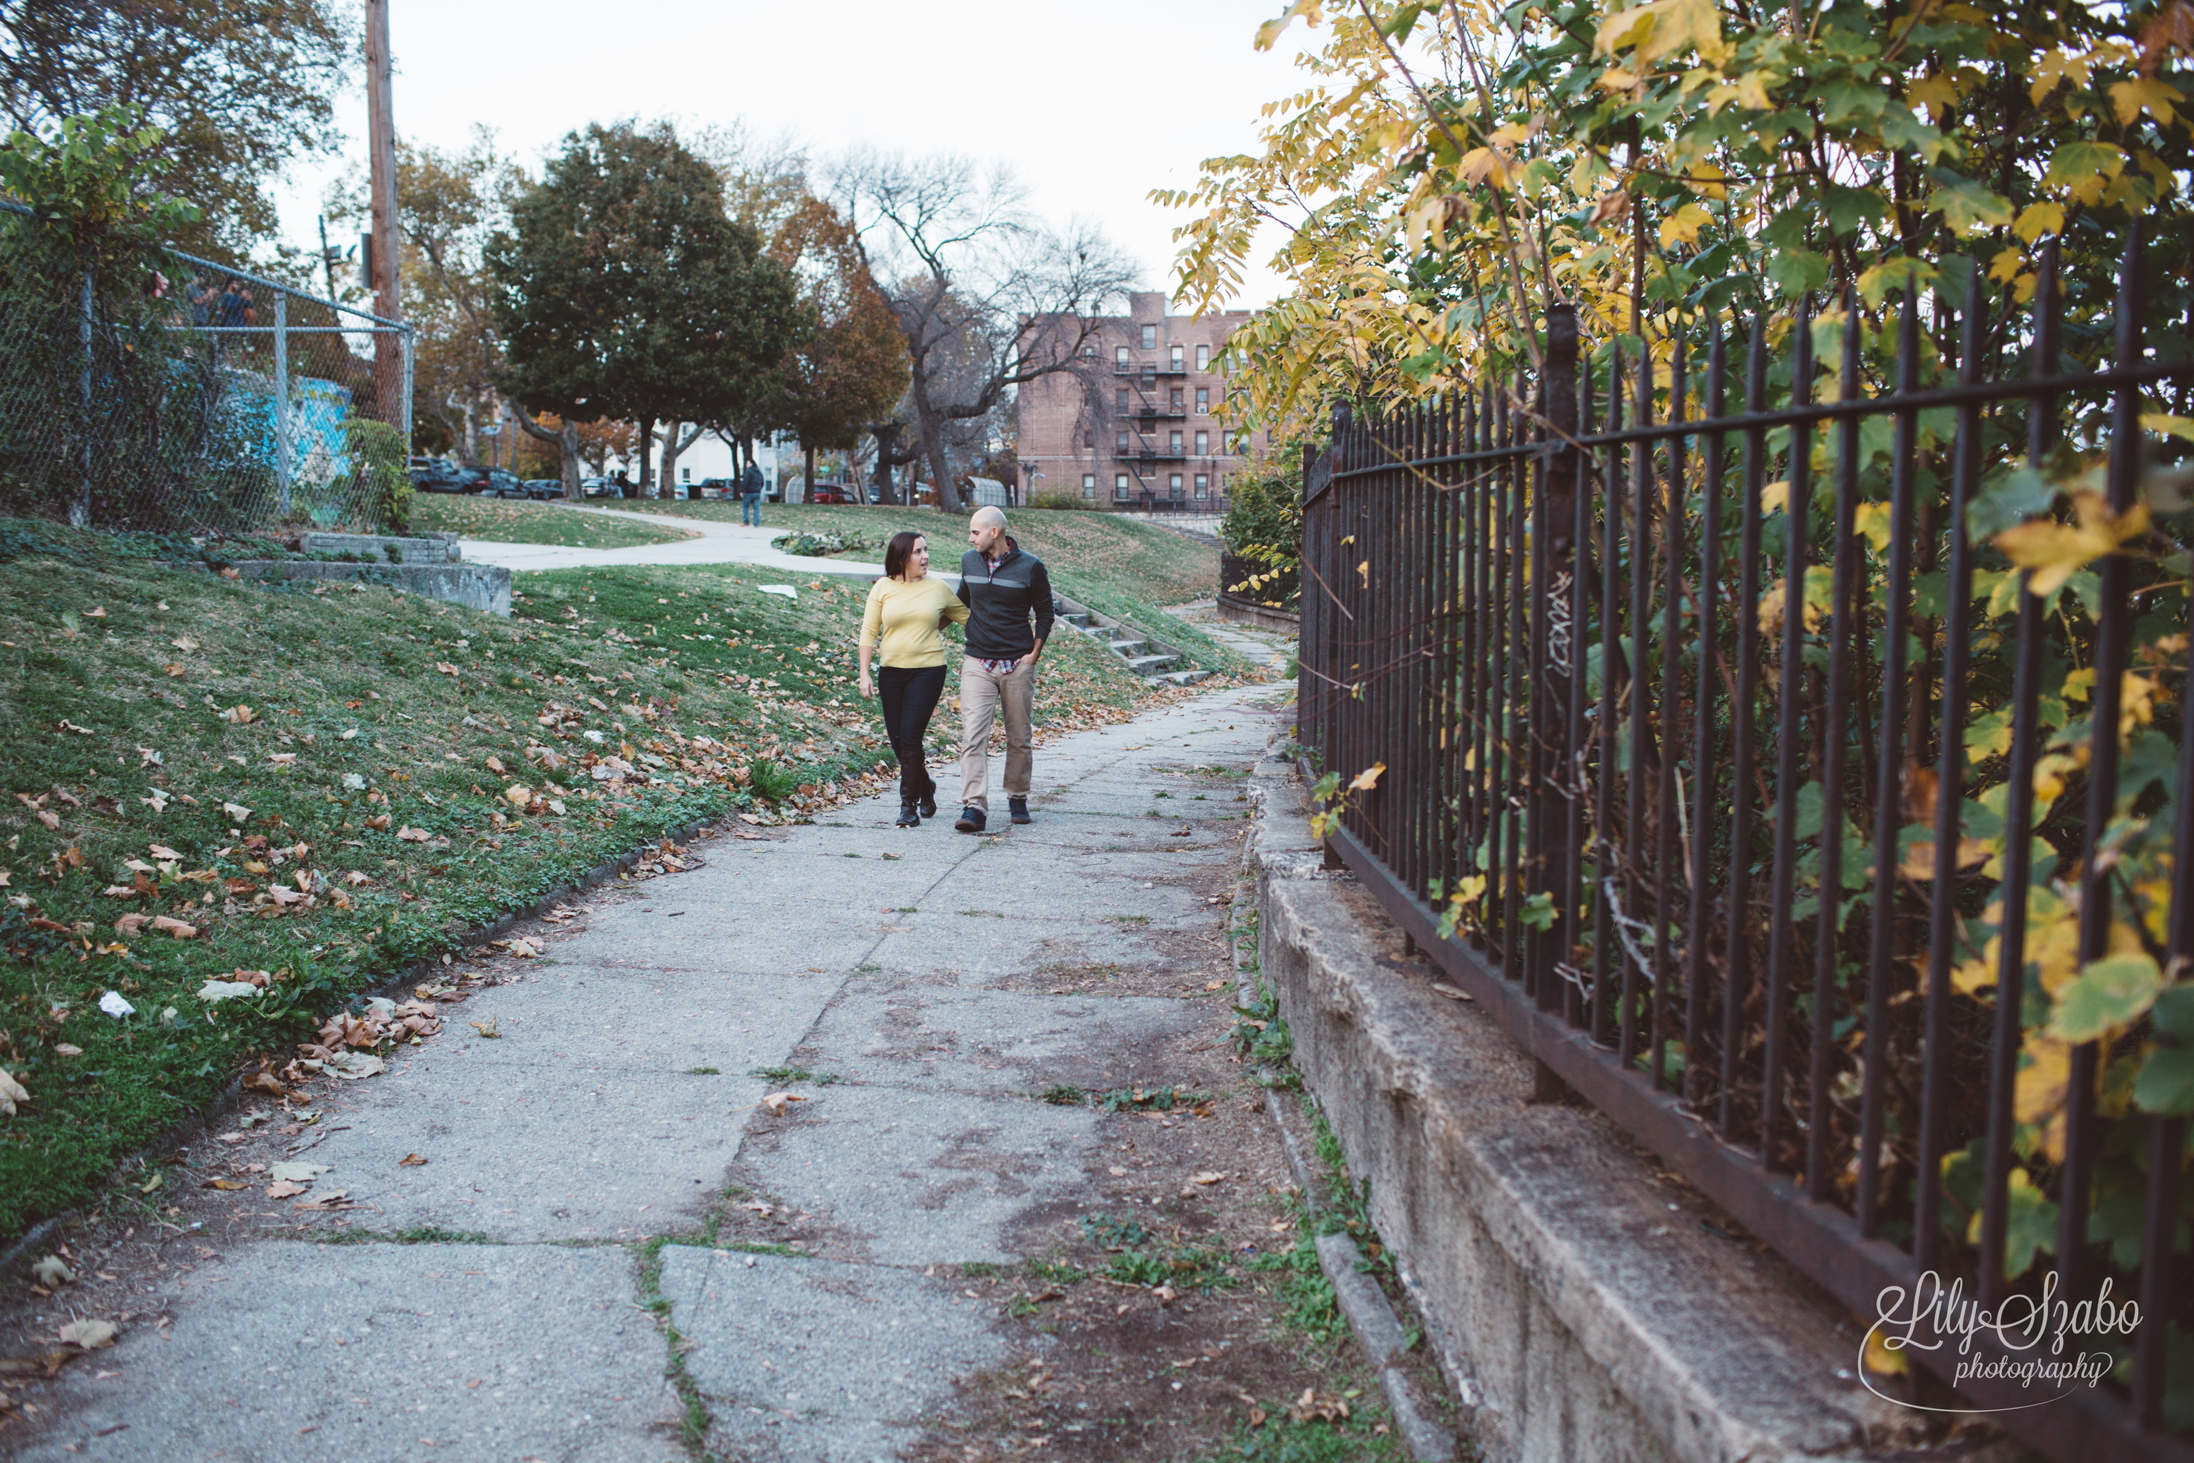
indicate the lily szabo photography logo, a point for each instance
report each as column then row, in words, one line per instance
column 2033, row 1342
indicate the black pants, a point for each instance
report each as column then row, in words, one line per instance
column 910, row 695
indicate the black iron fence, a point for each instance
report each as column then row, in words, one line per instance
column 1255, row 582
column 1802, row 788
column 179, row 395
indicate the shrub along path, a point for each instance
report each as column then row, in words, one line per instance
column 849, row 1142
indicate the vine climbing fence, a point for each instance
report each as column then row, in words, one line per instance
column 1788, row 740
column 190, row 397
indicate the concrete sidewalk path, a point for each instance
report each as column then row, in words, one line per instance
column 719, row 543
column 499, row 1285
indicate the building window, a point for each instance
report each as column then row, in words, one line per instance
column 1174, row 401
column 1150, row 337
column 1203, row 358
column 685, row 474
column 1203, row 444
column 1174, row 444
column 1119, row 487
column 1089, row 440
column 1176, row 358
column 1119, row 356
column 1120, row 399
column 1203, row 401
column 1119, row 442
column 1089, row 485
column 1173, row 487
column 1203, row 485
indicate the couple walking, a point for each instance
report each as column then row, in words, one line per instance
column 1002, row 590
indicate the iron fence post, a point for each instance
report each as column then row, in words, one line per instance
column 1556, row 736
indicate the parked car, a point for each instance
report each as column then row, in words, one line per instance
column 597, row 488
column 716, row 488
column 834, row 493
column 544, row 487
column 439, row 477
column 497, row 482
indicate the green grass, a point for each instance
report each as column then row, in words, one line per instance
column 506, row 521
column 363, row 704
column 1114, row 565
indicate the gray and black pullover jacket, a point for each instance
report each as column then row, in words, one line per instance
column 1000, row 602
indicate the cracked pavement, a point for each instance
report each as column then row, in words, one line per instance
column 508, row 1297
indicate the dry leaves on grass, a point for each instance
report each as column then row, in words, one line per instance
column 11, row 1093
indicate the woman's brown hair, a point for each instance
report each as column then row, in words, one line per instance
column 900, row 550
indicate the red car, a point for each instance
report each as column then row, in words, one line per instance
column 834, row 493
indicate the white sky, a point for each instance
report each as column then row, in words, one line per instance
column 1093, row 105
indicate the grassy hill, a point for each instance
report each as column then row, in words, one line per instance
column 207, row 776
column 1124, row 568
column 512, row 522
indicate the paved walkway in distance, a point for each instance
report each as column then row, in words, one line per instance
column 491, row 1298
column 719, row 543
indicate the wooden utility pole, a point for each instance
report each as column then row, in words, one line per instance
column 388, row 353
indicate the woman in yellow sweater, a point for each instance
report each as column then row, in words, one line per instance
column 906, row 612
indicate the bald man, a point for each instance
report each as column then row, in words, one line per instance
column 1008, row 596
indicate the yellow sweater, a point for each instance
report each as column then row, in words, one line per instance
column 905, row 615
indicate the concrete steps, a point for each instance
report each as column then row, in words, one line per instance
column 1148, row 658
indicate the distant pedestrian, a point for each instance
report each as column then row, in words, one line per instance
column 907, row 610
column 750, row 495
column 1004, row 589
column 623, row 484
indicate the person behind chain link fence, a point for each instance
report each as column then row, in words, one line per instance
column 1004, row 589
column 907, row 610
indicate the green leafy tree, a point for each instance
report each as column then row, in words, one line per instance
column 624, row 290
column 238, row 89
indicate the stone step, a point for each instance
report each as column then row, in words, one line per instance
column 1128, row 649
column 1079, row 622
column 1148, row 665
column 1183, row 678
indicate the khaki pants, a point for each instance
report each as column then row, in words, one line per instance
column 983, row 693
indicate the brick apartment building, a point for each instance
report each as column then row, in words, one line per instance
column 1143, row 434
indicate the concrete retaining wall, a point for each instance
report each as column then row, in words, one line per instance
column 483, row 587
column 1581, row 1305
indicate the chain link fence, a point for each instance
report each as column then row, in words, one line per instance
column 193, row 398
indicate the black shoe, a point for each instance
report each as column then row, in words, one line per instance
column 971, row 820
column 908, row 818
column 1018, row 807
column 929, row 803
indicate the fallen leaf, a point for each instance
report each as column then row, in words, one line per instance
column 777, row 1102
column 265, row 1082
column 487, row 1028
column 411, row 1160
column 91, row 1335
column 161, row 851
column 51, row 820
column 223, row 1184
column 169, row 925
column 517, row 795
column 525, row 949
column 297, row 1171
column 409, row 834
column 495, row 764
column 351, row 1066
column 236, row 811
column 213, row 992
column 332, row 1199
column 284, row 1190
column 239, row 715
column 184, row 643
column 67, row 1049
column 53, row 1272
column 1207, row 1178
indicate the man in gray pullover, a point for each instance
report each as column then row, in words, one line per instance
column 1004, row 590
